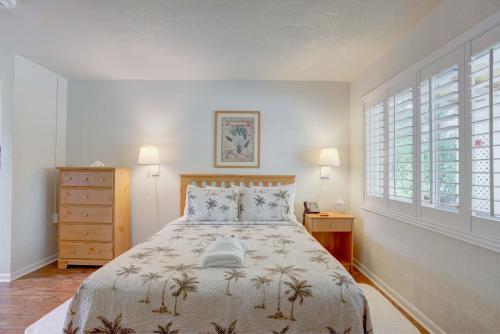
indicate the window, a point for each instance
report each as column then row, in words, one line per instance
column 375, row 150
column 439, row 140
column 485, row 132
column 432, row 140
column 400, row 114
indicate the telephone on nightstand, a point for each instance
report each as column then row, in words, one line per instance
column 311, row 207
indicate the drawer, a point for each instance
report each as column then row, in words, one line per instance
column 86, row 214
column 85, row 232
column 332, row 225
column 86, row 196
column 81, row 250
column 86, row 179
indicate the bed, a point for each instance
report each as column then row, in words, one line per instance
column 289, row 284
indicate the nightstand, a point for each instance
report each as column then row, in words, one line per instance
column 334, row 231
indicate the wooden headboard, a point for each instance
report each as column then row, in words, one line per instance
column 225, row 180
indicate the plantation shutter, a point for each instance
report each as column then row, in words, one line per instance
column 400, row 124
column 485, row 132
column 375, row 150
column 439, row 140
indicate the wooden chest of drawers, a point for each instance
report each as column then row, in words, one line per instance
column 94, row 215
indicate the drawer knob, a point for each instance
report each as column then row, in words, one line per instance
column 98, row 252
column 87, row 178
column 72, row 251
column 69, row 178
column 101, row 179
column 85, row 232
column 85, row 196
column 85, row 214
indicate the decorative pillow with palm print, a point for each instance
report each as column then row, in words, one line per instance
column 211, row 204
column 267, row 203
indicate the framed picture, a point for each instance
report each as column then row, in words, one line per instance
column 237, row 139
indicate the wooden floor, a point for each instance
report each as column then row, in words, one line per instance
column 28, row 298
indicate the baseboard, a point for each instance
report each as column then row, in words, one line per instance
column 4, row 278
column 415, row 313
column 28, row 269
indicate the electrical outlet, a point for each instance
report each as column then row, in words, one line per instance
column 55, row 218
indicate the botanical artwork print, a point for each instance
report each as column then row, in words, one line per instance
column 237, row 136
column 289, row 284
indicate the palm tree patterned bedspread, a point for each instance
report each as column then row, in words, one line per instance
column 289, row 284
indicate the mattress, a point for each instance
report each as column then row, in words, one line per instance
column 289, row 284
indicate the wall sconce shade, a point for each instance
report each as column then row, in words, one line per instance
column 328, row 157
column 148, row 155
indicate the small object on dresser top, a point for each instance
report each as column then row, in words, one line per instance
column 225, row 252
column 311, row 207
column 97, row 163
column 340, row 205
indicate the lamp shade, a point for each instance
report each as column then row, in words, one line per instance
column 329, row 157
column 148, row 155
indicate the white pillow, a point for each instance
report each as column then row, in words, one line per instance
column 267, row 203
column 206, row 187
column 211, row 204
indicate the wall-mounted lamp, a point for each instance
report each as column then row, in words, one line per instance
column 148, row 155
column 328, row 157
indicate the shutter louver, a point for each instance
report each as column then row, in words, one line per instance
column 401, row 146
column 439, row 137
column 375, row 151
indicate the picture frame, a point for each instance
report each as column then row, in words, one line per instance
column 237, row 139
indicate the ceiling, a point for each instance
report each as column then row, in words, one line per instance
column 331, row 40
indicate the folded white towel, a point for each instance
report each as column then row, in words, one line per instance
column 224, row 252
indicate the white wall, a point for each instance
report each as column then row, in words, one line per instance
column 34, row 237
column 34, row 133
column 110, row 120
column 455, row 284
column 6, row 115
